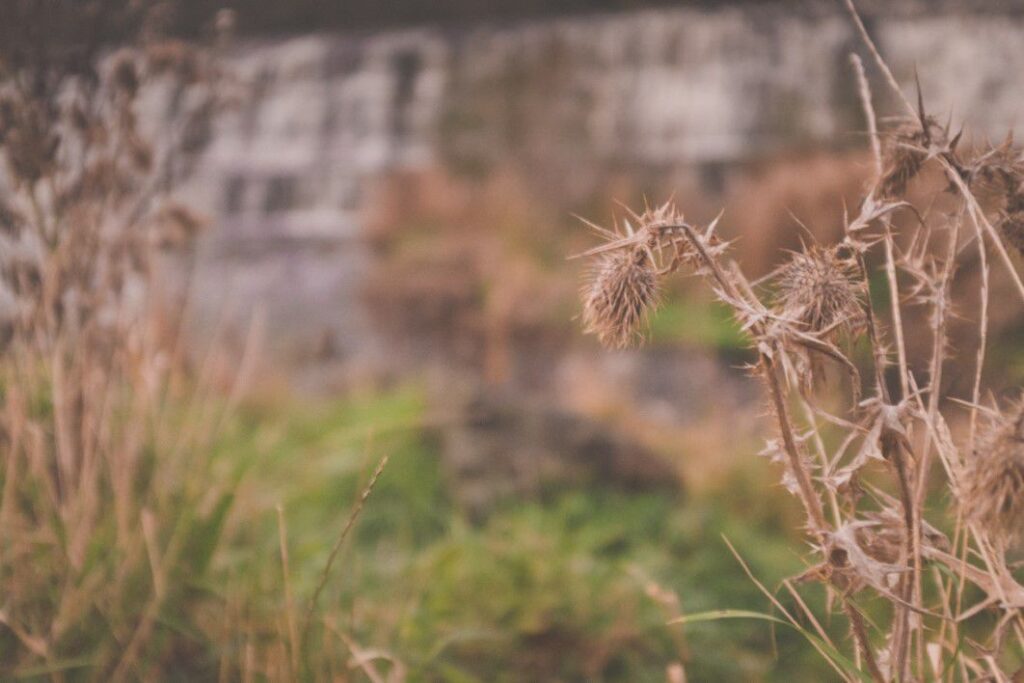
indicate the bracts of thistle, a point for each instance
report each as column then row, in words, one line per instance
column 904, row 157
column 623, row 284
column 992, row 486
column 819, row 290
column 619, row 297
column 906, row 149
column 819, row 295
column 1001, row 169
column 1011, row 222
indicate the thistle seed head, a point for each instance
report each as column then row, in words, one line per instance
column 819, row 290
column 622, row 291
column 992, row 491
column 1003, row 169
column 1012, row 227
column 903, row 156
column 1011, row 223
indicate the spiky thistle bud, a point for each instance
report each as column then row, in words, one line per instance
column 992, row 490
column 819, row 290
column 619, row 296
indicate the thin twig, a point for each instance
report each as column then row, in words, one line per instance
column 812, row 504
column 979, row 365
column 873, row 49
column 864, row 90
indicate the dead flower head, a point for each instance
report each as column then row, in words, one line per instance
column 992, row 493
column 619, row 296
column 1012, row 221
column 1003, row 168
column 623, row 285
column 819, row 290
column 904, row 154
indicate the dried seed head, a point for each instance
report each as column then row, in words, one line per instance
column 904, row 154
column 1002, row 168
column 1011, row 223
column 992, row 491
column 616, row 302
column 819, row 290
column 1012, row 227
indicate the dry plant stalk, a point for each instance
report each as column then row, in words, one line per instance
column 106, row 508
column 803, row 320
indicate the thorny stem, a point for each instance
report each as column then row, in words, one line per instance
column 941, row 313
column 869, row 112
column 890, row 263
column 912, row 547
column 810, row 499
column 912, row 535
column 983, row 294
column 876, row 344
column 860, row 635
column 897, row 457
column 894, row 299
column 833, row 500
column 811, row 502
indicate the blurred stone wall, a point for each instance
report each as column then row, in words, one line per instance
column 290, row 172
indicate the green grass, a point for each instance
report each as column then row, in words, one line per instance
column 706, row 325
column 542, row 589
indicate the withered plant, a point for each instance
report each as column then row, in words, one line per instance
column 912, row 517
column 107, row 517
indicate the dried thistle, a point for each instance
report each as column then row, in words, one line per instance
column 1011, row 224
column 1003, row 169
column 822, row 295
column 999, row 166
column 819, row 290
column 623, row 285
column 619, row 297
column 905, row 151
column 992, row 492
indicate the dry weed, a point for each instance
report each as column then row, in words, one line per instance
column 867, row 538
